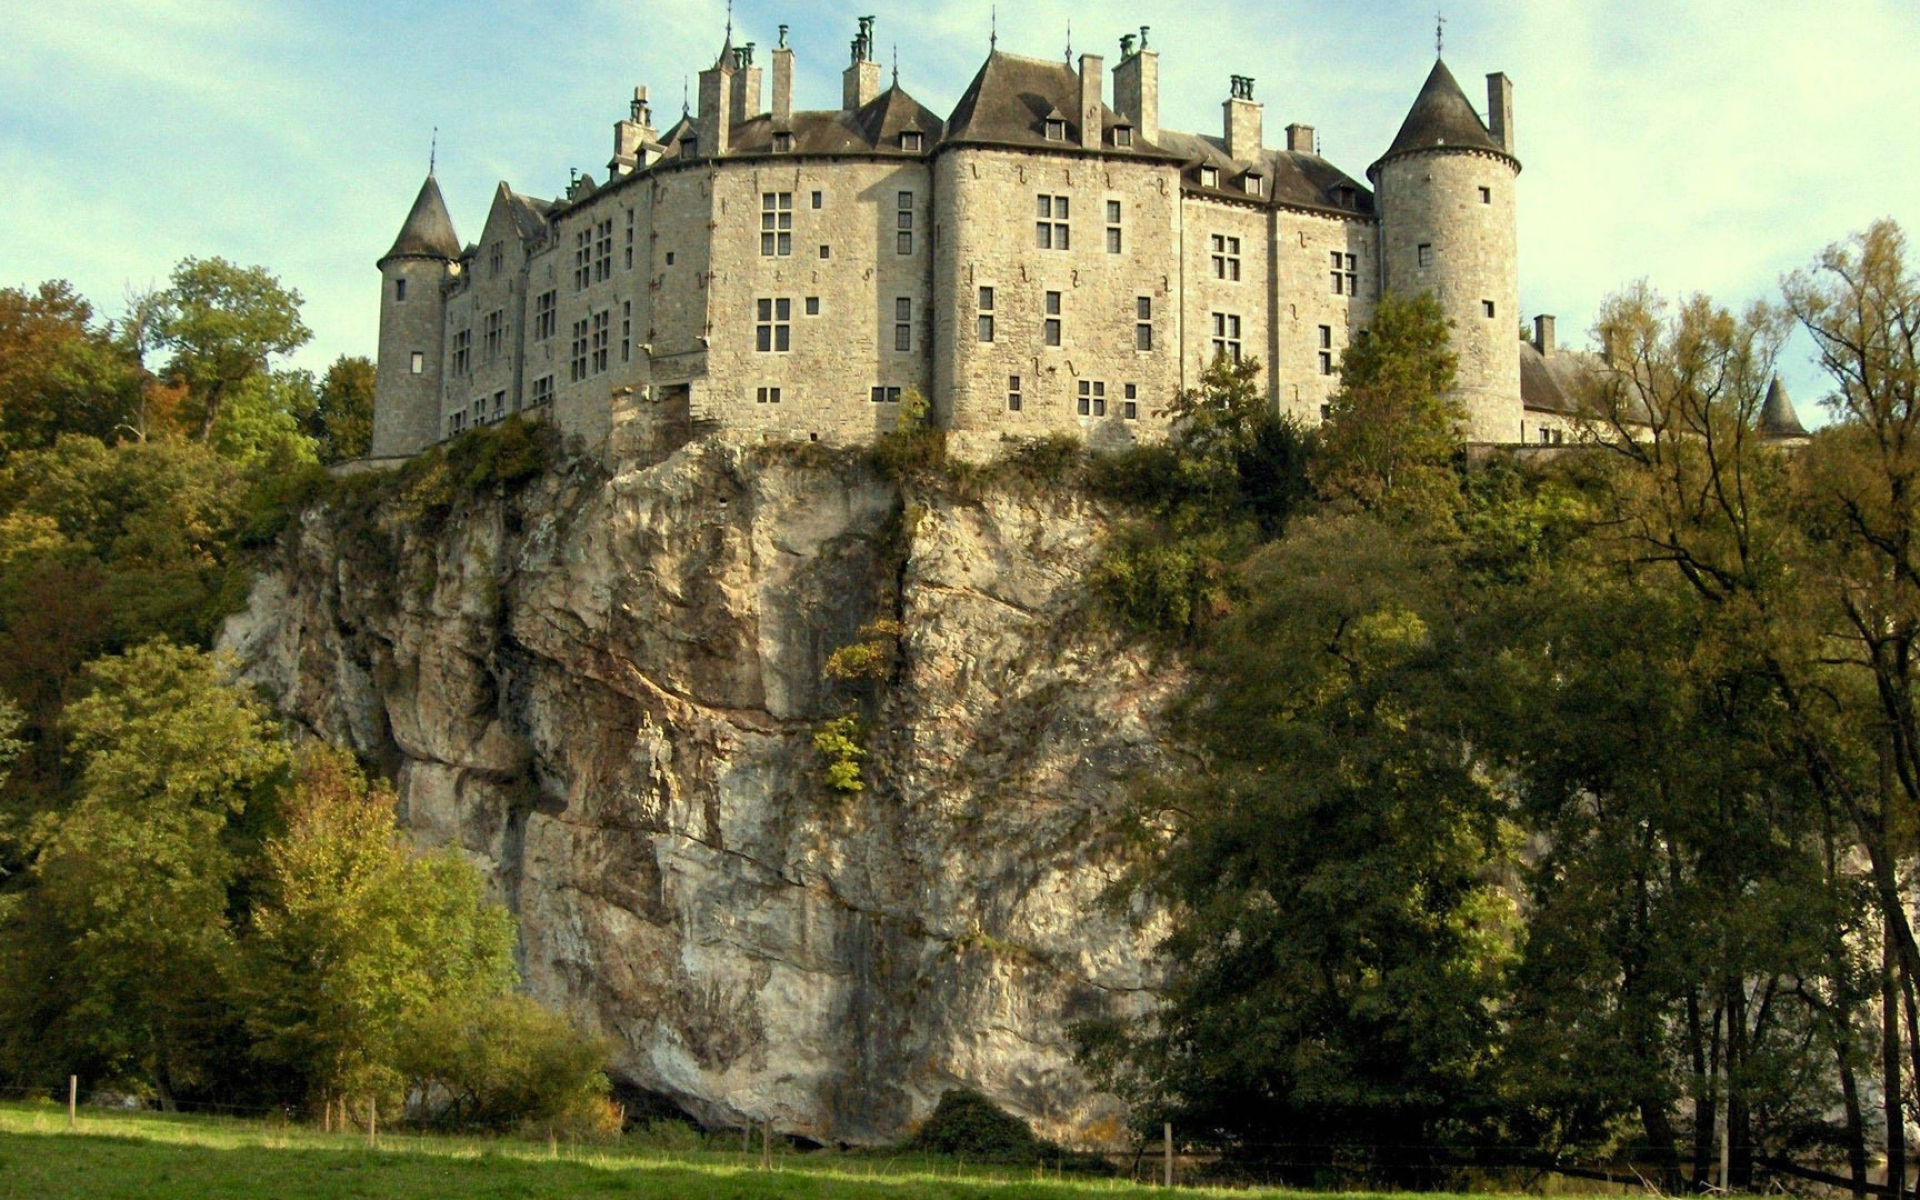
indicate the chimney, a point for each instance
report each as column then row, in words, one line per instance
column 1500, row 110
column 744, row 103
column 782, row 81
column 711, row 118
column 628, row 135
column 1241, row 116
column 1136, row 87
column 1543, row 335
column 1092, row 121
column 861, row 83
column 1300, row 139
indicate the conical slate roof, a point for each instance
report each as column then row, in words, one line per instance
column 1442, row 117
column 428, row 232
column 1778, row 421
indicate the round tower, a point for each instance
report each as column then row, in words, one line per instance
column 1445, row 191
column 406, row 390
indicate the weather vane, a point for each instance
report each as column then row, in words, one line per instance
column 1439, row 33
column 433, row 150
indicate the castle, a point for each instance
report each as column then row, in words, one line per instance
column 1038, row 261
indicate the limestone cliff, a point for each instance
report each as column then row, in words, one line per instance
column 604, row 689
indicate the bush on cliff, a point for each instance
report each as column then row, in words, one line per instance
column 967, row 1123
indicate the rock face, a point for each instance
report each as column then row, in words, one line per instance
column 605, row 691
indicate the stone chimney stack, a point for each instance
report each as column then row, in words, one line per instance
column 1500, row 110
column 1300, row 139
column 711, row 118
column 1092, row 81
column 1543, row 335
column 629, row 135
column 861, row 83
column 1136, row 86
column 1241, row 117
column 744, row 103
column 782, row 80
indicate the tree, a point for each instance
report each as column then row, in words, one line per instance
column 222, row 324
column 354, row 937
column 60, row 371
column 504, row 1061
column 342, row 421
column 1392, row 430
column 136, row 884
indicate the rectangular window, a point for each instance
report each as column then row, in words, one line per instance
column 1113, row 227
column 782, row 142
column 912, row 142
column 1093, row 398
column 817, row 198
column 582, row 259
column 1143, row 323
column 629, row 255
column 886, row 395
column 1326, row 349
column 499, row 406
column 1051, row 326
column 1346, row 280
column 773, row 331
column 456, row 423
column 1226, row 336
column 602, row 338
column 1425, row 254
column 1210, row 177
column 1130, row 405
column 399, row 290
column 813, row 306
column 1056, row 129
column 496, row 260
column 479, row 411
column 903, row 324
column 626, row 330
column 462, row 351
column 603, row 251
column 1486, row 306
column 984, row 325
column 1122, row 135
column 1013, row 393
column 776, row 224
column 545, row 316
column 824, row 252
column 1226, row 257
column 669, row 258
column 1051, row 230
column 1486, row 195
column 542, row 392
column 767, row 395
column 493, row 335
column 577, row 355
column 419, row 364
column 903, row 225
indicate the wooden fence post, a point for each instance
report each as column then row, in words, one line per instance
column 766, row 1144
column 373, row 1122
column 1166, row 1133
column 73, row 1101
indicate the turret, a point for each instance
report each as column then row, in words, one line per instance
column 1445, row 191
column 1778, row 422
column 406, row 391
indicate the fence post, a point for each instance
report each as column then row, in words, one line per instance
column 766, row 1144
column 373, row 1122
column 73, row 1101
column 1166, row 1133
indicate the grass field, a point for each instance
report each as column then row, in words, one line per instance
column 155, row 1157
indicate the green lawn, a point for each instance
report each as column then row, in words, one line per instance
column 153, row 1157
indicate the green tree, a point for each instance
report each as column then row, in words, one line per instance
column 60, row 370
column 221, row 325
column 354, row 936
column 342, row 421
column 503, row 1062
column 136, row 884
column 1392, row 430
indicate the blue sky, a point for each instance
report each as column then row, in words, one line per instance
column 1707, row 145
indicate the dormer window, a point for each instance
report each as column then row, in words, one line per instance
column 1345, row 196
column 1255, row 185
column 1210, row 177
column 1123, row 135
column 688, row 145
column 1056, row 129
column 912, row 141
column 782, row 142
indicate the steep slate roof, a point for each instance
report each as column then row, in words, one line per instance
column 1778, row 420
column 1441, row 116
column 875, row 126
column 1306, row 180
column 1568, row 382
column 428, row 232
column 1011, row 97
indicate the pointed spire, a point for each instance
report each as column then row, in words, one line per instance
column 993, row 29
column 1441, row 118
column 428, row 231
column 1778, row 420
column 725, row 60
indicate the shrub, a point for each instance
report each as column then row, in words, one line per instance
column 1160, row 583
column 967, row 1123
column 915, row 444
column 838, row 743
column 506, row 1062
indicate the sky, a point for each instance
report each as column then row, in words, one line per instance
column 1703, row 145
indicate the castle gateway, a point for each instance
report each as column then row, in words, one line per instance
column 1041, row 260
